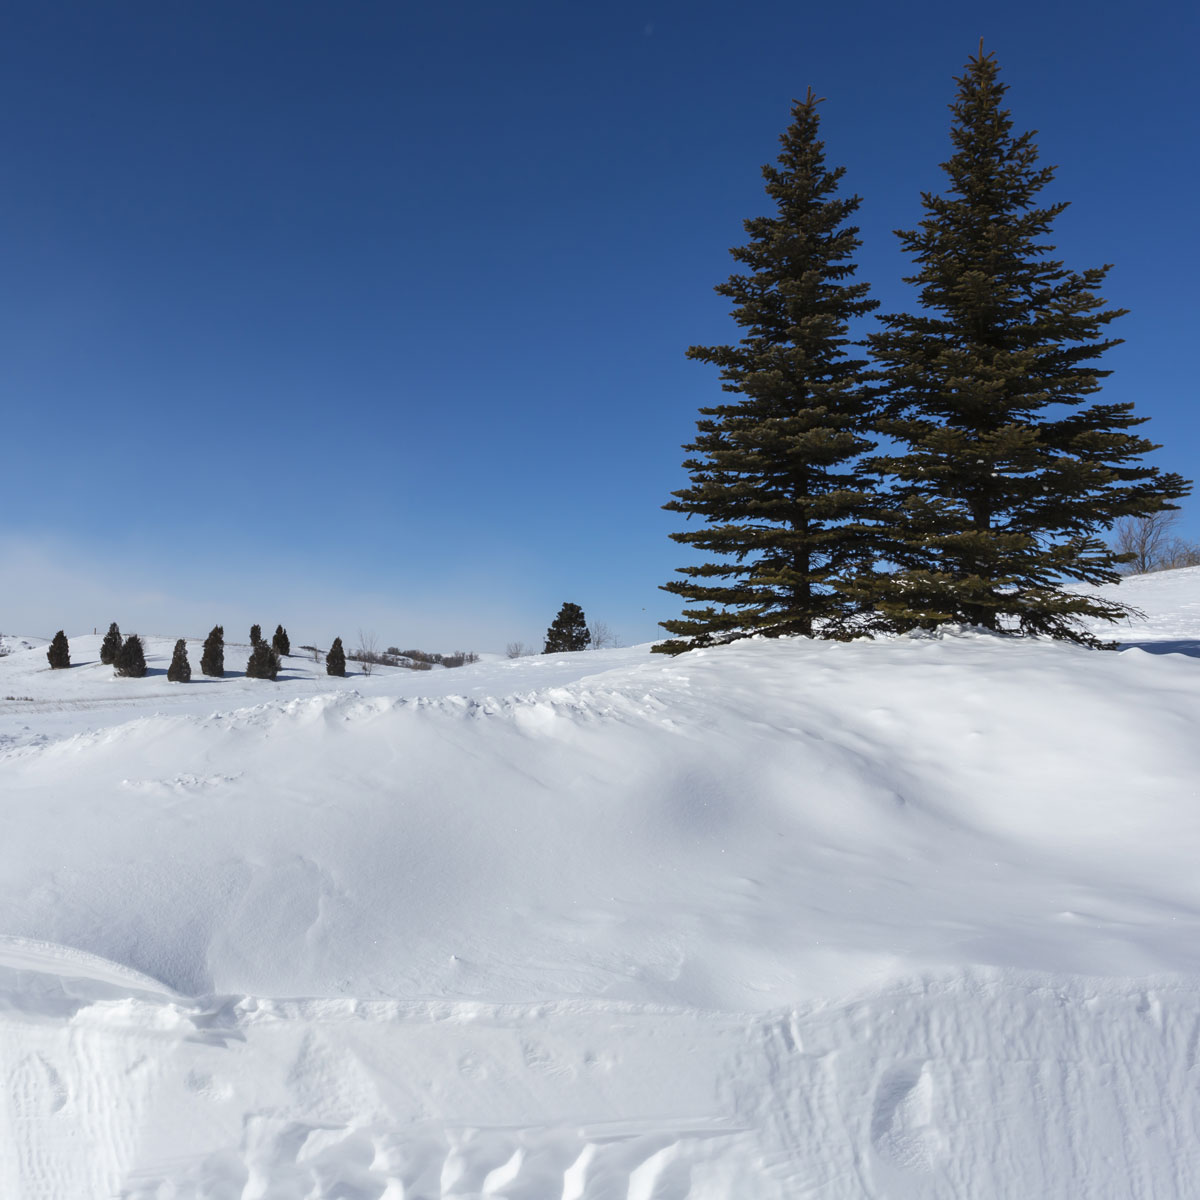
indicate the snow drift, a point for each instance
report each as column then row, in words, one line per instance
column 896, row 919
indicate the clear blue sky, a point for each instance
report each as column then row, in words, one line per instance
column 374, row 314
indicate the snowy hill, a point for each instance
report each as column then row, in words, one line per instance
column 914, row 918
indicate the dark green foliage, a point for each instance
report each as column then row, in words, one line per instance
column 1004, row 475
column 776, row 475
column 212, row 657
column 59, row 653
column 111, row 645
column 180, row 670
column 280, row 642
column 568, row 631
column 335, row 660
column 263, row 662
column 131, row 658
column 255, row 634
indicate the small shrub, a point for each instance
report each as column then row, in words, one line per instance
column 111, row 646
column 263, row 662
column 180, row 670
column 280, row 643
column 59, row 654
column 335, row 660
column 212, row 659
column 131, row 658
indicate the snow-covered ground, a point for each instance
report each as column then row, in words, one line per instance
column 912, row 918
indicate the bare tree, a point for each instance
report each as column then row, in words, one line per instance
column 1180, row 554
column 602, row 635
column 367, row 652
column 1151, row 542
column 517, row 650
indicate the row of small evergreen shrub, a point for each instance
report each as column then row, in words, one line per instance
column 127, row 655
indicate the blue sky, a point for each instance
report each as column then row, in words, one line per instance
column 374, row 315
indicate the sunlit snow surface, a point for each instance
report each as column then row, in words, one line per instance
column 912, row 918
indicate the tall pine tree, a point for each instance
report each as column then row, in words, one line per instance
column 1003, row 473
column 777, row 476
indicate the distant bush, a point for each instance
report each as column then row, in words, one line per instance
column 423, row 657
column 111, row 646
column 411, row 660
column 280, row 643
column 263, row 662
column 131, row 658
column 212, row 659
column 335, row 660
column 180, row 670
column 59, row 654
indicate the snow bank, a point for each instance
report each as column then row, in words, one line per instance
column 739, row 828
column 908, row 918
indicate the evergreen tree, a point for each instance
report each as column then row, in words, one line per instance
column 1003, row 473
column 111, row 645
column 180, row 670
column 131, row 658
column 568, row 631
column 255, row 634
column 263, row 662
column 335, row 660
column 280, row 641
column 777, row 475
column 59, row 653
column 212, row 657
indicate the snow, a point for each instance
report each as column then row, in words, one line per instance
column 908, row 918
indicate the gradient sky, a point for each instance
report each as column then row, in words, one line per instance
column 373, row 315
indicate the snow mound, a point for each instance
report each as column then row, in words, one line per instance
column 736, row 829
column 912, row 918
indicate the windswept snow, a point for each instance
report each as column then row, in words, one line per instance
column 913, row 918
